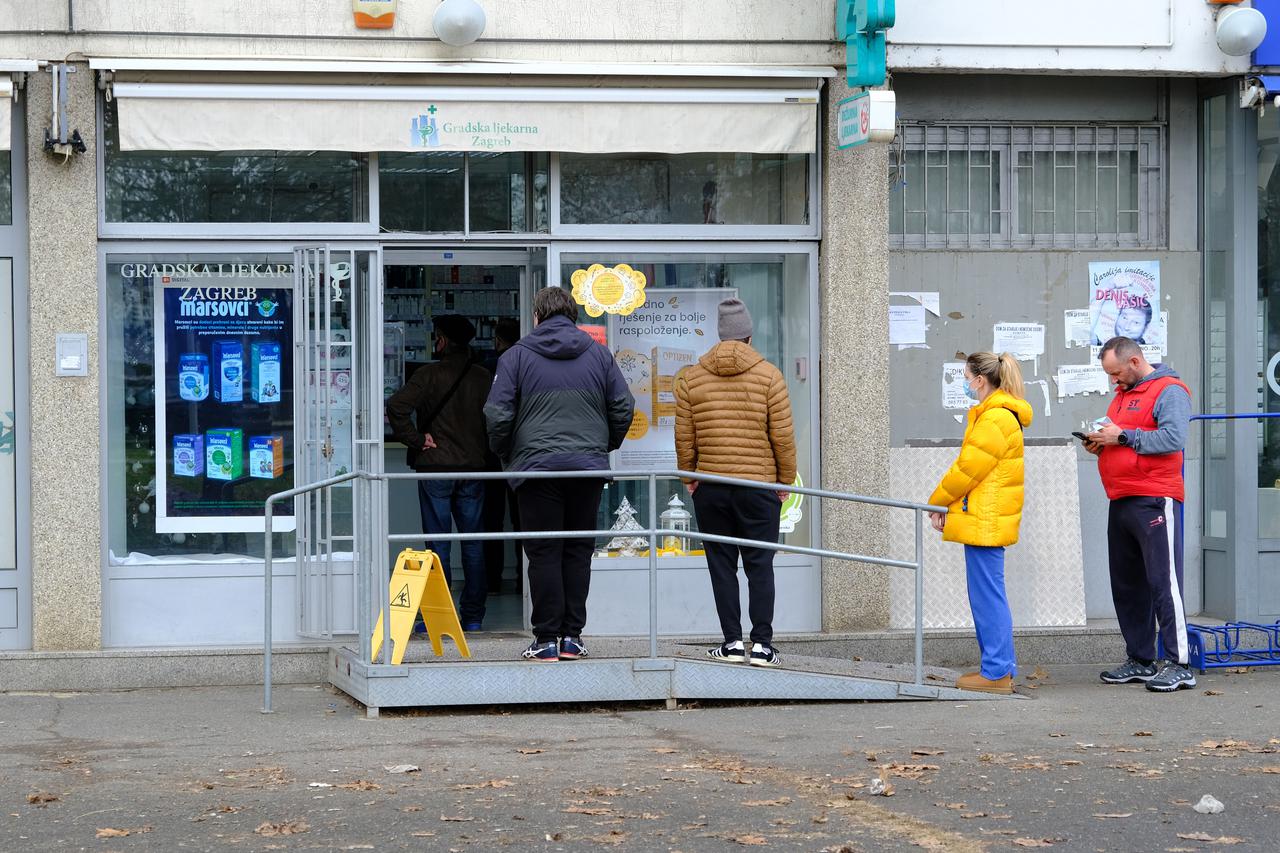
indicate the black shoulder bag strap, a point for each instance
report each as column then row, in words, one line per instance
column 424, row 424
column 444, row 401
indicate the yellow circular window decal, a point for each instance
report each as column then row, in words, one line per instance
column 612, row 290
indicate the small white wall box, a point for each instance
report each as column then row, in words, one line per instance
column 884, row 115
column 72, row 354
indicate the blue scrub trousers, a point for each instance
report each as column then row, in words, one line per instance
column 992, row 621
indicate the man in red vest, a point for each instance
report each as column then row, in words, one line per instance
column 1140, row 462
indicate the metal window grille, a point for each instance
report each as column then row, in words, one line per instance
column 1027, row 186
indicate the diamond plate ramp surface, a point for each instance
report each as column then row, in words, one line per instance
column 494, row 676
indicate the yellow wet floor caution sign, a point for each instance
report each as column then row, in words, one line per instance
column 418, row 586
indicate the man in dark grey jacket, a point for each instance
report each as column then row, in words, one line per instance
column 559, row 403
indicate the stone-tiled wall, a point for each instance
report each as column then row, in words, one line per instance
column 854, row 307
column 66, row 573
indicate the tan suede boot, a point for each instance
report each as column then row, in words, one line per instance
column 975, row 681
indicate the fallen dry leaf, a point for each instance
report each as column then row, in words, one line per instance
column 361, row 785
column 491, row 783
column 909, row 771
column 750, row 840
column 1040, row 674
column 952, row 806
column 614, row 837
column 781, row 801
column 423, row 834
column 456, row 818
column 1071, row 762
column 1033, row 842
column 529, row 751
column 1030, row 765
column 1211, row 839
column 972, row 815
column 109, row 832
column 39, row 798
column 663, row 750
column 291, row 827
column 925, row 751
column 592, row 810
column 1213, row 693
column 1142, row 734
column 1115, row 815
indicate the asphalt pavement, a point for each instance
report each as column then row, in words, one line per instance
column 1076, row 765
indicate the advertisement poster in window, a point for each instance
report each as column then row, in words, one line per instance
column 224, row 402
column 669, row 332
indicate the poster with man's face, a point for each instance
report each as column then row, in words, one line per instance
column 1124, row 300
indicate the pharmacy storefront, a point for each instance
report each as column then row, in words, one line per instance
column 272, row 250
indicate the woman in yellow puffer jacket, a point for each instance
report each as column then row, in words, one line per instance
column 983, row 494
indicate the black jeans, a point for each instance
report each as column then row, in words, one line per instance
column 747, row 514
column 559, row 569
column 499, row 499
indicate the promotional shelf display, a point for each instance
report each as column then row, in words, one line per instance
column 224, row 401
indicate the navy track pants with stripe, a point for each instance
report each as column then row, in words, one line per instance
column 1144, row 539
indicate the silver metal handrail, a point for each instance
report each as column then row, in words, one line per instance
column 653, row 532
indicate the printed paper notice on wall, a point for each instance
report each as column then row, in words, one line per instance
column 1024, row 340
column 931, row 301
column 906, row 324
column 953, row 396
column 1076, row 379
column 1076, row 329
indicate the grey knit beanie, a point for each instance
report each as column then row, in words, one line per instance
column 735, row 320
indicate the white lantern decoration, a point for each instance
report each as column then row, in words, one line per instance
column 458, row 22
column 675, row 518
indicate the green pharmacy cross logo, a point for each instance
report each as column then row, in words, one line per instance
column 424, row 131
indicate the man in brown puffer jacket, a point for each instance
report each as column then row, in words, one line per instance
column 733, row 418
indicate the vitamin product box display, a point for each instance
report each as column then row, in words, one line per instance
column 193, row 376
column 228, row 365
column 264, row 378
column 224, row 454
column 188, row 455
column 266, row 456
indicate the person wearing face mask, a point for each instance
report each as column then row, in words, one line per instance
column 983, row 494
column 439, row 416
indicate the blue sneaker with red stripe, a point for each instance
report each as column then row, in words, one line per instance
column 571, row 648
column 548, row 652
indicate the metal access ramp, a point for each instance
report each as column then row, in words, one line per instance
column 681, row 672
column 670, row 672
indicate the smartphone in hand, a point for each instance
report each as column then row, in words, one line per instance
column 1080, row 436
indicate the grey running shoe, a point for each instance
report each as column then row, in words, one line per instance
column 1129, row 672
column 1172, row 676
column 731, row 652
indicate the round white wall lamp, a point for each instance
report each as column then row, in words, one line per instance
column 1240, row 30
column 458, row 22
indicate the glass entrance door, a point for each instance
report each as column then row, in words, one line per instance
column 336, row 374
column 491, row 290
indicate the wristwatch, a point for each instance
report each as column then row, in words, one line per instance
column 1122, row 439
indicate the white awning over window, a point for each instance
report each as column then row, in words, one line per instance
column 240, row 117
column 6, row 113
